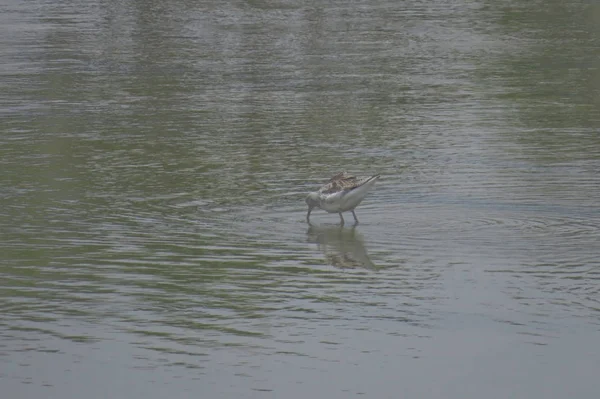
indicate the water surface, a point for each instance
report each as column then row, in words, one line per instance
column 155, row 158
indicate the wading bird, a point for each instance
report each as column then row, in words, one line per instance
column 342, row 193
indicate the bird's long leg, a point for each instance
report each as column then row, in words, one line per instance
column 355, row 218
column 341, row 218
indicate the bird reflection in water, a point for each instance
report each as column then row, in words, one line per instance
column 343, row 248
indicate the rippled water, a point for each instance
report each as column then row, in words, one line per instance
column 155, row 158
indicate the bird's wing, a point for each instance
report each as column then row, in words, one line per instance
column 344, row 184
column 341, row 175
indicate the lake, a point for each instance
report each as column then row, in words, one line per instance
column 155, row 158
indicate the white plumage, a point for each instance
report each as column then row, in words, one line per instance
column 342, row 193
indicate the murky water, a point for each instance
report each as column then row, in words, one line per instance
column 155, row 158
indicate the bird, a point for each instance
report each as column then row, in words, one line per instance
column 343, row 192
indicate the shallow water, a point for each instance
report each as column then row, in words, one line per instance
column 155, row 158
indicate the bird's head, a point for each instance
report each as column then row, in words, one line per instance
column 312, row 200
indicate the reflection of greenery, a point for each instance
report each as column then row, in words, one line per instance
column 549, row 76
column 343, row 247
